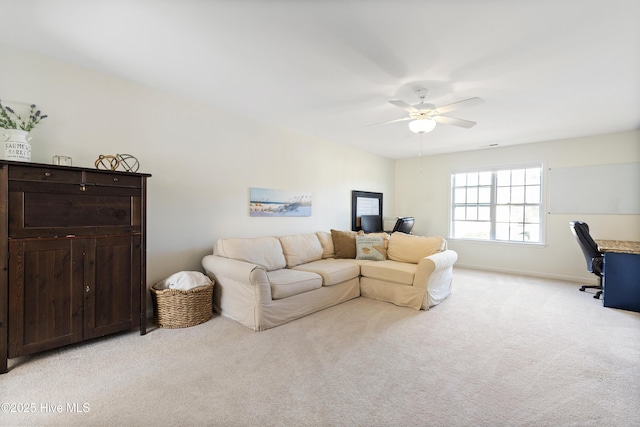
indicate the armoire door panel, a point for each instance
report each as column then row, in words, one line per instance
column 75, row 210
column 113, row 301
column 45, row 300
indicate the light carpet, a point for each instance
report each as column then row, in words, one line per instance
column 502, row 350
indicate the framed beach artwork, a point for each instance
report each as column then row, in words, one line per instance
column 269, row 202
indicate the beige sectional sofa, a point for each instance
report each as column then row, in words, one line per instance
column 264, row 282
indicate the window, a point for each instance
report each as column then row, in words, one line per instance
column 503, row 205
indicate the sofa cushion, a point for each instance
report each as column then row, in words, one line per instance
column 344, row 243
column 410, row 248
column 263, row 251
column 285, row 283
column 333, row 271
column 370, row 247
column 301, row 248
column 389, row 271
column 327, row 244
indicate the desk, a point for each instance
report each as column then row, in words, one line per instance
column 621, row 278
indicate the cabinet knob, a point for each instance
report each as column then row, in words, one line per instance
column 47, row 174
column 87, row 289
column 83, row 187
column 115, row 179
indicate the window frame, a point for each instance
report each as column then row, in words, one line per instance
column 494, row 169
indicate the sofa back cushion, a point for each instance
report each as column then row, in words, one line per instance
column 301, row 248
column 327, row 244
column 263, row 251
column 410, row 248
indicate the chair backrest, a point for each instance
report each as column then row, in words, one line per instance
column 404, row 225
column 371, row 223
column 589, row 247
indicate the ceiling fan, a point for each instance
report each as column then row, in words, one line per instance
column 424, row 116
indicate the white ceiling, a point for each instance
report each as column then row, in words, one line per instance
column 547, row 69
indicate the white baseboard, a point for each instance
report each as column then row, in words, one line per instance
column 541, row 274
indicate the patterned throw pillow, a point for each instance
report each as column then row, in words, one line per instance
column 370, row 247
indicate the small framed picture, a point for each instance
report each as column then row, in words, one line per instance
column 62, row 160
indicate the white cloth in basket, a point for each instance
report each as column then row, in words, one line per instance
column 184, row 280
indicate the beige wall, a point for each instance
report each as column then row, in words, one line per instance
column 203, row 160
column 422, row 190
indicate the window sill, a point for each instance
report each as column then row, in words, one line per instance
column 498, row 242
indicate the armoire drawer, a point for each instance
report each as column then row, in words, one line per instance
column 43, row 174
column 112, row 179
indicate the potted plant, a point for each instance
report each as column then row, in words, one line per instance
column 17, row 146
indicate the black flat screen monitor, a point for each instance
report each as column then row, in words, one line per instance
column 371, row 223
column 404, row 225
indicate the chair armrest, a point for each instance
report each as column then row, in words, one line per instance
column 431, row 267
column 247, row 278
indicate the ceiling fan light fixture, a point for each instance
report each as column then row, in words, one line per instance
column 421, row 126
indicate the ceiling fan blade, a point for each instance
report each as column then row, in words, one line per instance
column 390, row 121
column 455, row 122
column 460, row 104
column 403, row 105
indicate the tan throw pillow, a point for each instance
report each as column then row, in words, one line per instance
column 344, row 243
column 410, row 248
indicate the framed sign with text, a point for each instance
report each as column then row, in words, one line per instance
column 364, row 203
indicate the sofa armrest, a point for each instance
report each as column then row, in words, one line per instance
column 433, row 266
column 246, row 278
column 435, row 275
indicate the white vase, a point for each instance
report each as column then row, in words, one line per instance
column 16, row 145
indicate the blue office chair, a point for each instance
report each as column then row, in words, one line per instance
column 592, row 254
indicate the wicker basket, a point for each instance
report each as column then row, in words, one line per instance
column 173, row 308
